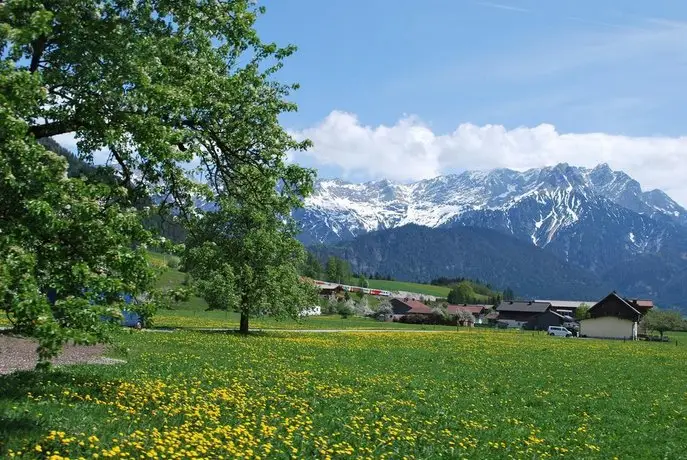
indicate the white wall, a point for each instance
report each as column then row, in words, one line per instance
column 312, row 311
column 608, row 327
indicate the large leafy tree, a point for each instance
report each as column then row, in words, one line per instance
column 160, row 84
column 246, row 259
column 69, row 248
column 168, row 89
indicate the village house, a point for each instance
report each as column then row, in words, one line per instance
column 405, row 307
column 519, row 312
column 478, row 311
column 615, row 318
column 328, row 290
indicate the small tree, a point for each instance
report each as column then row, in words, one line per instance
column 662, row 321
column 439, row 314
column 246, row 259
column 362, row 282
column 582, row 312
column 508, row 294
column 312, row 267
column 343, row 271
column 464, row 317
column 332, row 270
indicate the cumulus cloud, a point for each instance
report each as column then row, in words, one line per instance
column 409, row 150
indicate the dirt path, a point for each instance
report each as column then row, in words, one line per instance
column 18, row 353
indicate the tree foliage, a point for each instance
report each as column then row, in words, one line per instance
column 662, row 321
column 69, row 248
column 157, row 83
column 247, row 260
column 462, row 293
column 582, row 312
column 338, row 270
column 312, row 267
column 158, row 86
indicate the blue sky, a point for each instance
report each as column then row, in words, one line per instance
column 581, row 65
column 408, row 90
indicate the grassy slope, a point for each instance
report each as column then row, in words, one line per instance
column 447, row 395
column 439, row 291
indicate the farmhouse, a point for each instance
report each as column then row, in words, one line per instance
column 521, row 311
column 615, row 318
column 331, row 289
column 403, row 307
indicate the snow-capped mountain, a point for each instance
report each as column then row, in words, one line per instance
column 340, row 210
column 590, row 217
column 598, row 220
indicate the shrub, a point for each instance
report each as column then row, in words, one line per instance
column 345, row 309
column 384, row 311
column 173, row 263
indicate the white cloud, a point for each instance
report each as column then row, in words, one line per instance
column 410, row 150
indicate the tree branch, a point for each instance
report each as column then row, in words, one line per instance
column 53, row 128
column 38, row 46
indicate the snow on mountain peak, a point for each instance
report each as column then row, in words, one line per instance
column 555, row 197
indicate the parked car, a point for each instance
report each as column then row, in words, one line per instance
column 132, row 319
column 559, row 331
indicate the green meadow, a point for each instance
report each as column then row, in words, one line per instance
column 453, row 394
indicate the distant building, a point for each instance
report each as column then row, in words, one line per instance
column 551, row 318
column 404, row 307
column 521, row 311
column 478, row 311
column 615, row 318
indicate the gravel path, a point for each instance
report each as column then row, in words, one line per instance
column 18, row 353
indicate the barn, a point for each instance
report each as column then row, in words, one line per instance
column 614, row 318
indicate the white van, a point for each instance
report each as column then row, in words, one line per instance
column 559, row 331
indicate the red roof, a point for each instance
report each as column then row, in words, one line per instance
column 416, row 307
column 640, row 304
column 474, row 309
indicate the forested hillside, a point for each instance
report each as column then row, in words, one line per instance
column 413, row 253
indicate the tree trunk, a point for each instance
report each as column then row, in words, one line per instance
column 243, row 328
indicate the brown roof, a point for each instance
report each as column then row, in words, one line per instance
column 474, row 309
column 523, row 306
column 417, row 307
column 413, row 307
column 642, row 304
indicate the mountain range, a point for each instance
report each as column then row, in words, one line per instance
column 594, row 228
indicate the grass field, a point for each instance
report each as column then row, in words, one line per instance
column 468, row 394
column 439, row 291
column 221, row 319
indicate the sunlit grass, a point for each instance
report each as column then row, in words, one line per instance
column 474, row 394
